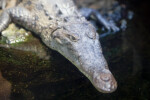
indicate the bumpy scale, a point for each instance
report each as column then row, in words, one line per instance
column 62, row 28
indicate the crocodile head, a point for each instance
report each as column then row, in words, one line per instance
column 80, row 44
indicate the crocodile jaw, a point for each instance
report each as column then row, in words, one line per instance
column 94, row 66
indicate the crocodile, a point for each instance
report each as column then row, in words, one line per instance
column 61, row 27
column 3, row 3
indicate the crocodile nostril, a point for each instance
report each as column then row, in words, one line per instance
column 105, row 77
column 113, row 85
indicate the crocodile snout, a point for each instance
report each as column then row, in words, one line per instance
column 104, row 81
column 80, row 44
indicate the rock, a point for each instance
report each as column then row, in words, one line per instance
column 20, row 39
column 5, row 88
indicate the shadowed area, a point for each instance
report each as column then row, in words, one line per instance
column 5, row 88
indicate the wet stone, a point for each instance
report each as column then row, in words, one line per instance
column 14, row 35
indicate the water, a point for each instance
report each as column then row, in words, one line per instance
column 127, row 54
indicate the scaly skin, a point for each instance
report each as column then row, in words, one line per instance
column 62, row 28
column 3, row 3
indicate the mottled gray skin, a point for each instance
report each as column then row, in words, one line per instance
column 3, row 3
column 62, row 28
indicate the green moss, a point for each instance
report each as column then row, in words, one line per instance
column 13, row 34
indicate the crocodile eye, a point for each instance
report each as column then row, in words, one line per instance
column 73, row 38
column 92, row 32
column 58, row 40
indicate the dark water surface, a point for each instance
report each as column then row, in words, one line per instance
column 127, row 53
